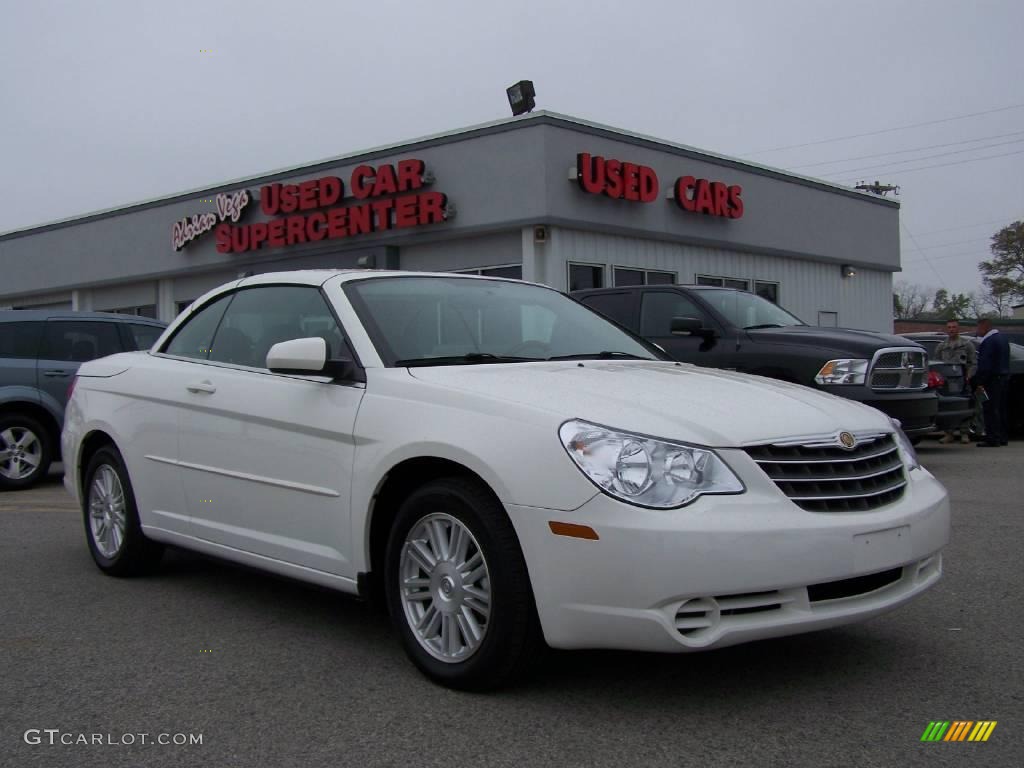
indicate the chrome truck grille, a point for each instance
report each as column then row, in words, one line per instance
column 899, row 369
column 827, row 477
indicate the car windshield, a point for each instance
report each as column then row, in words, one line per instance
column 748, row 310
column 465, row 320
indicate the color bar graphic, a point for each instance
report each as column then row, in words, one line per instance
column 982, row 730
column 935, row 731
column 958, row 730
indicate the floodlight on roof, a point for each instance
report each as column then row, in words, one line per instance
column 521, row 97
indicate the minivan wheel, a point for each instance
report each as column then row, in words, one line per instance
column 112, row 527
column 25, row 452
column 457, row 587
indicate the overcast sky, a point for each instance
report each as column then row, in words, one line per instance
column 109, row 102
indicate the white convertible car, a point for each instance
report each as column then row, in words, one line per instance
column 503, row 465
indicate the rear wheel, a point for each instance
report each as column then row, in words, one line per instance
column 25, row 452
column 112, row 527
column 458, row 590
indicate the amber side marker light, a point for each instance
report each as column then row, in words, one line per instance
column 573, row 530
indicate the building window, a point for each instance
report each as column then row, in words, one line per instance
column 768, row 291
column 146, row 310
column 513, row 271
column 183, row 305
column 724, row 282
column 583, row 276
column 624, row 276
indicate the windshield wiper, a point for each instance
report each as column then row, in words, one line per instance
column 598, row 356
column 471, row 358
column 762, row 325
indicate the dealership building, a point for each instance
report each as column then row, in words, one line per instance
column 542, row 197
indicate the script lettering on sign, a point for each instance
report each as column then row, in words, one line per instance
column 229, row 206
column 232, row 205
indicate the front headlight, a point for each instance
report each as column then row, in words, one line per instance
column 843, row 372
column 645, row 471
column 906, row 448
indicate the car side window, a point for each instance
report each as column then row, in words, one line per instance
column 76, row 341
column 144, row 336
column 20, row 340
column 615, row 306
column 261, row 317
column 658, row 309
column 195, row 337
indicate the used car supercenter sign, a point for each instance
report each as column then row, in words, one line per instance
column 620, row 180
column 310, row 211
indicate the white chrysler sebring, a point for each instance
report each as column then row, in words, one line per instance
column 504, row 465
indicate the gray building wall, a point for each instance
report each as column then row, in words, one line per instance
column 805, row 288
column 503, row 179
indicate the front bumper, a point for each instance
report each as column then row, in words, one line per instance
column 914, row 410
column 727, row 569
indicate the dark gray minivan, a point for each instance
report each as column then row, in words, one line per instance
column 40, row 351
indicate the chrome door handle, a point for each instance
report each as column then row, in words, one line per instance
column 201, row 386
column 59, row 374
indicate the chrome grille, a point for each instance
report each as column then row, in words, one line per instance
column 826, row 478
column 899, row 369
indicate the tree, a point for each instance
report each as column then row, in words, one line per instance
column 999, row 296
column 950, row 307
column 1003, row 274
column 909, row 301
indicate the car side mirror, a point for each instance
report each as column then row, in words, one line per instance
column 687, row 326
column 307, row 357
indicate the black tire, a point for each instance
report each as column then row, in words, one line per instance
column 512, row 637
column 136, row 554
column 19, row 427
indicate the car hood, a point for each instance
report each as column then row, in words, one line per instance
column 663, row 399
column 845, row 340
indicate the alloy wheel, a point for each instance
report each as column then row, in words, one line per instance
column 445, row 587
column 21, row 452
column 107, row 511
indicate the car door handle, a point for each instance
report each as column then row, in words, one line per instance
column 201, row 386
column 58, row 374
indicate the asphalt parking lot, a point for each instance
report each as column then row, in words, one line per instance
column 273, row 673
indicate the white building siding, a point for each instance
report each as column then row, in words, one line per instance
column 494, row 250
column 806, row 288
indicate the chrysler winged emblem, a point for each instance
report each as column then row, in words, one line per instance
column 847, row 441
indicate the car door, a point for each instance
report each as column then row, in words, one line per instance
column 266, row 458
column 65, row 346
column 657, row 308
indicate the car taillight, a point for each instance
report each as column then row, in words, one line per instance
column 935, row 380
column 71, row 386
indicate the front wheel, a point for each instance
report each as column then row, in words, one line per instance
column 112, row 529
column 458, row 590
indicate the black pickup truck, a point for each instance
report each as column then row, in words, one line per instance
column 737, row 330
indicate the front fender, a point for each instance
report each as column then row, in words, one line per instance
column 522, row 461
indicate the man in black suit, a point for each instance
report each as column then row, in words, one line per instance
column 991, row 380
